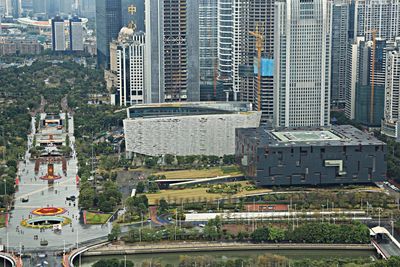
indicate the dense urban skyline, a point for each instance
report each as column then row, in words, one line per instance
column 216, row 129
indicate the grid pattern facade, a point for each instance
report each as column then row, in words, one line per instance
column 380, row 15
column 58, row 34
column 391, row 123
column 154, row 52
column 172, row 34
column 351, row 78
column 340, row 28
column 302, row 63
column 208, row 46
column 136, row 73
column 225, row 32
column 392, row 88
column 130, row 69
column 75, row 34
column 11, row 46
column 359, row 80
column 175, row 50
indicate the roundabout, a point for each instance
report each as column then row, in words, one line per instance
column 45, row 221
column 49, row 211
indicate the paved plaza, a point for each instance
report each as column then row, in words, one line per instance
column 40, row 194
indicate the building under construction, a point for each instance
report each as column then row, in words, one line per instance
column 253, row 16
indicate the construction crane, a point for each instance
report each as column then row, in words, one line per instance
column 259, row 47
column 373, row 53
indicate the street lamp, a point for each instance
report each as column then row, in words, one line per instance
column 4, row 144
column 392, row 223
column 379, row 215
column 5, row 193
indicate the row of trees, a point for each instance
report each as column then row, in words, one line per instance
column 114, row 263
column 192, row 161
column 104, row 200
column 257, row 261
column 278, row 261
column 340, row 199
column 325, row 233
column 7, row 178
column 137, row 205
column 282, row 261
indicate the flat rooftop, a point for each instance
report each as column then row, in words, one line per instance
column 306, row 136
column 337, row 135
column 174, row 109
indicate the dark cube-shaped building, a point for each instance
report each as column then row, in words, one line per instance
column 340, row 155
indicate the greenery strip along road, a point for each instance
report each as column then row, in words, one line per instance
column 197, row 246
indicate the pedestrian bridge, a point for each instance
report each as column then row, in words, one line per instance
column 386, row 245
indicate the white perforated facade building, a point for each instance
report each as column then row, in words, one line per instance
column 186, row 129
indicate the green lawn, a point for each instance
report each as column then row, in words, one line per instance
column 2, row 220
column 199, row 194
column 96, row 218
column 202, row 173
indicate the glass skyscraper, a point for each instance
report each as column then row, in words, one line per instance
column 340, row 41
column 108, row 25
column 208, row 45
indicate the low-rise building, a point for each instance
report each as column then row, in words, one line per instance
column 341, row 155
column 19, row 46
column 192, row 128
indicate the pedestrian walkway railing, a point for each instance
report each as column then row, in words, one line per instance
column 68, row 261
column 9, row 258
